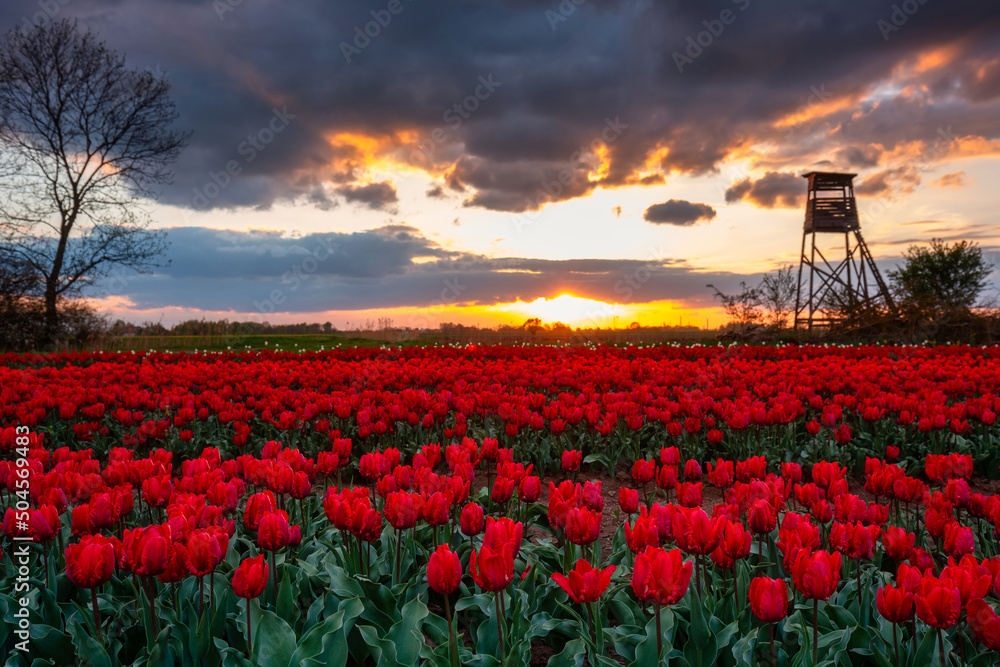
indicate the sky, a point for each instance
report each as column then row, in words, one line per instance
column 595, row 162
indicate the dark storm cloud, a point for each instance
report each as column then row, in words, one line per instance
column 373, row 195
column 772, row 190
column 395, row 266
column 234, row 72
column 678, row 212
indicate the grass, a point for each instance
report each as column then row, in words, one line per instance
column 238, row 343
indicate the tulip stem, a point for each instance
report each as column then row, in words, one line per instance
column 151, row 586
column 496, row 598
column 941, row 646
column 249, row 632
column 399, row 543
column 659, row 634
column 860, row 596
column 774, row 654
column 274, row 573
column 815, row 632
column 97, row 613
column 590, row 617
column 201, row 597
column 451, row 633
column 895, row 643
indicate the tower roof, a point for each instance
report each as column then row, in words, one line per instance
column 822, row 180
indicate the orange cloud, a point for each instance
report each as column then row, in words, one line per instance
column 955, row 179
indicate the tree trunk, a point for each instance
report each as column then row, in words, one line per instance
column 51, row 330
column 50, row 334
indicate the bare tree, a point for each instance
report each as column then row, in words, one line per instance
column 83, row 142
column 777, row 296
column 769, row 303
column 743, row 307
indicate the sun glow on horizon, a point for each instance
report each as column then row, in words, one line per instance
column 568, row 309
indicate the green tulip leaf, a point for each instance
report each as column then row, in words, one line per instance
column 274, row 639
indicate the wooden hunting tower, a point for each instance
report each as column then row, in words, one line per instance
column 832, row 284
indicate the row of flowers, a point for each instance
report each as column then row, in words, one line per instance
column 817, row 556
column 724, row 400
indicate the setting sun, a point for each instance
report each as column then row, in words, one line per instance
column 568, row 309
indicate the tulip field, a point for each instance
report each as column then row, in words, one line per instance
column 502, row 506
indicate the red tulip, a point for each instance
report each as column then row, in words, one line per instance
column 769, row 599
column 985, row 624
column 204, row 550
column 591, row 496
column 720, row 475
column 585, row 583
column 583, row 526
column 862, row 541
column 694, row 532
column 571, row 460
column 366, row 523
column 735, row 540
column 958, row 540
column 503, row 490
column 471, row 519
column 257, row 506
column 529, row 490
column 661, row 577
column 689, row 494
column 503, row 531
column 250, row 577
column 895, row 604
column 816, row 574
column 91, row 562
column 628, row 500
column 939, row 603
column 45, row 523
column 275, row 533
column 444, row 570
column 666, row 477
column 692, row 470
column 492, row 570
column 435, row 509
column 402, row 509
column 898, row 543
column 150, row 549
column 644, row 533
column 562, row 499
column 643, row 471
column 762, row 519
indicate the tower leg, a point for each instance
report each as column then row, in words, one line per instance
column 798, row 285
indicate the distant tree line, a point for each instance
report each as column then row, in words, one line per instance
column 217, row 328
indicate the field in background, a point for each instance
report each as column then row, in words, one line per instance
column 316, row 342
